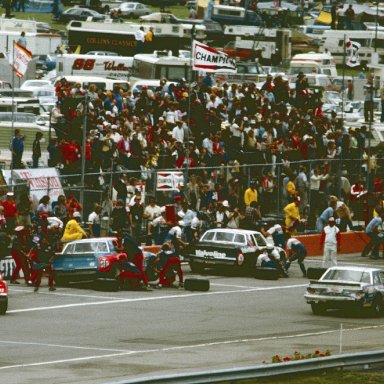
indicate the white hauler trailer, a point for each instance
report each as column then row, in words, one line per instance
column 118, row 67
column 38, row 43
column 122, row 38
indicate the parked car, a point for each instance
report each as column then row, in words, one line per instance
column 46, row 95
column 81, row 14
column 3, row 296
column 235, row 248
column 96, row 260
column 34, row 85
column 347, row 288
column 133, row 10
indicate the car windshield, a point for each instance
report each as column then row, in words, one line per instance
column 224, row 236
column 260, row 240
column 91, row 247
column 347, row 275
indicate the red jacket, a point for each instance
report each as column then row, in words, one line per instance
column 10, row 208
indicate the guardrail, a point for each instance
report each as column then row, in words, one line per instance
column 264, row 370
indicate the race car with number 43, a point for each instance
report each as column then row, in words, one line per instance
column 223, row 247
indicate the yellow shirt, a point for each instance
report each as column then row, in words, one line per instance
column 73, row 231
column 375, row 214
column 292, row 214
column 290, row 188
column 250, row 196
column 149, row 36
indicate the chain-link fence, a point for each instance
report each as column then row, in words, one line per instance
column 314, row 181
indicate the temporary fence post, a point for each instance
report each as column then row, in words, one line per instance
column 84, row 142
column 154, row 182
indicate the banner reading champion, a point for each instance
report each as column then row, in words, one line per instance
column 208, row 59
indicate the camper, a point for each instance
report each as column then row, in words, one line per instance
column 227, row 14
column 118, row 67
column 313, row 31
column 158, row 65
column 267, row 40
column 122, row 37
column 332, row 41
column 313, row 63
column 101, row 83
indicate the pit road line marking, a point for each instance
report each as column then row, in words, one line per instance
column 65, row 294
column 63, row 346
column 184, row 347
column 152, row 298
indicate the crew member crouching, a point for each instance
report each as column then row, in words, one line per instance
column 168, row 264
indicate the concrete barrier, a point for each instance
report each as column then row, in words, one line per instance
column 351, row 242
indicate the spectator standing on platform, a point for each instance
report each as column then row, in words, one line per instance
column 22, row 40
column 36, row 150
column 17, row 148
column 349, row 16
column 330, row 241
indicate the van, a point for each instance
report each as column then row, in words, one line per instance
column 332, row 41
column 102, row 83
column 313, row 63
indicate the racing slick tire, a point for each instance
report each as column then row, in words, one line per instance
column 3, row 306
column 318, row 308
column 266, row 274
column 315, row 273
column 377, row 307
column 196, row 267
column 61, row 281
column 201, row 285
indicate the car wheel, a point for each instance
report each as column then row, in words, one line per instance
column 131, row 16
column 196, row 267
column 318, row 308
column 115, row 276
column 61, row 281
column 377, row 307
column 3, row 307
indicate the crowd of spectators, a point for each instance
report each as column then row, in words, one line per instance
column 294, row 148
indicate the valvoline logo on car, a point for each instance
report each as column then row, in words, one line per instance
column 204, row 253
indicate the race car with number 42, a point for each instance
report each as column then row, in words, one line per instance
column 223, row 247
